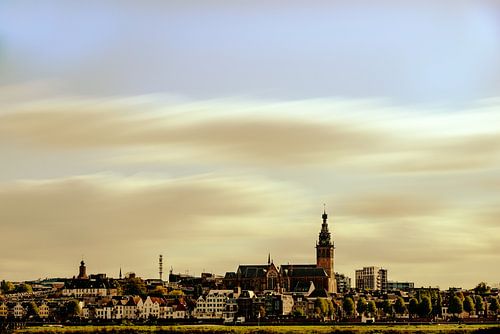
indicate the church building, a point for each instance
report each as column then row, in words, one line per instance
column 291, row 276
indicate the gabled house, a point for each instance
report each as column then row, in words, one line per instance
column 213, row 305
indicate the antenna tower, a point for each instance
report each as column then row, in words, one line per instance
column 160, row 265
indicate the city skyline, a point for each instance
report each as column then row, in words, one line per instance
column 213, row 132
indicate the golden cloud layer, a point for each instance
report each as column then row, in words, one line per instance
column 405, row 189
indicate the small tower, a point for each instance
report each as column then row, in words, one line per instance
column 83, row 271
column 325, row 253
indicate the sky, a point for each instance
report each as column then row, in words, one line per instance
column 212, row 132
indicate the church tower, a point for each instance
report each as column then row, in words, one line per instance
column 83, row 271
column 325, row 253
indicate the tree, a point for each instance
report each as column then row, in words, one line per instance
column 494, row 305
column 437, row 307
column 478, row 300
column 134, row 286
column 176, row 293
column 371, row 307
column 69, row 309
column 298, row 312
column 455, row 305
column 361, row 306
column 321, row 307
column 32, row 310
column 413, row 306
column 23, row 287
column 158, row 291
column 469, row 306
column 482, row 289
column 331, row 308
column 387, row 307
column 425, row 307
column 460, row 295
column 348, row 306
column 399, row 306
column 73, row 308
column 7, row 287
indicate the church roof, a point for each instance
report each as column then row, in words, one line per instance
column 303, row 271
column 319, row 293
column 251, row 271
column 303, row 287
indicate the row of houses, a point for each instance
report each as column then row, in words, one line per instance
column 135, row 307
column 20, row 310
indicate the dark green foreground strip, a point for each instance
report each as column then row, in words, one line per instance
column 207, row 329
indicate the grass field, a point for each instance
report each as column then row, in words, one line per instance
column 216, row 329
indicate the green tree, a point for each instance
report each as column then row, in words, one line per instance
column 69, row 309
column 425, row 307
column 73, row 308
column 32, row 309
column 478, row 300
column 331, row 308
column 460, row 295
column 176, row 293
column 134, row 286
column 413, row 307
column 482, row 289
column 437, row 307
column 321, row 307
column 371, row 307
column 7, row 287
column 158, row 291
column 455, row 305
column 361, row 306
column 399, row 306
column 494, row 305
column 298, row 312
column 387, row 307
column 23, row 287
column 469, row 306
column 348, row 306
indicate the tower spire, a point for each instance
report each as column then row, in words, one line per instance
column 325, row 252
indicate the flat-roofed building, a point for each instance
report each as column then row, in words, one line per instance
column 371, row 278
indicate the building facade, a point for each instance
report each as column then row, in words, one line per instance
column 405, row 286
column 343, row 283
column 371, row 278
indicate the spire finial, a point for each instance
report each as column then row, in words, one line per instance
column 269, row 258
column 324, row 207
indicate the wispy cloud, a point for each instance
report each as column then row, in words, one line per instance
column 153, row 174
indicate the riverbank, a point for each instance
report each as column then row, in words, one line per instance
column 218, row 329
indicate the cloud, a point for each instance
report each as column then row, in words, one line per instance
column 407, row 189
column 383, row 205
column 275, row 134
column 469, row 152
column 245, row 138
column 122, row 220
